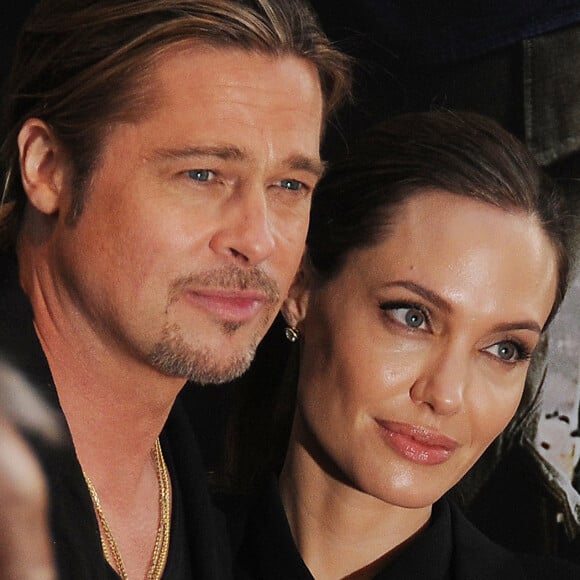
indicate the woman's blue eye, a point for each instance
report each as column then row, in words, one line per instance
column 291, row 184
column 414, row 318
column 409, row 316
column 200, row 174
column 508, row 351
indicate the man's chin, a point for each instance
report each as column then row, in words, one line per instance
column 220, row 376
column 200, row 366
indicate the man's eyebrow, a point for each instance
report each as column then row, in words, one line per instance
column 232, row 153
column 225, row 152
column 302, row 163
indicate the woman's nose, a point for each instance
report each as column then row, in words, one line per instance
column 443, row 382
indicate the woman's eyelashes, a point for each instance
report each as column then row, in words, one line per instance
column 416, row 317
column 510, row 351
column 412, row 316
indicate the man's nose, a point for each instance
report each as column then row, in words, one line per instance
column 246, row 233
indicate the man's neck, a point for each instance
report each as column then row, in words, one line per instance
column 115, row 406
column 115, row 403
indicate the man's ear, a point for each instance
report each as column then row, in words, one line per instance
column 42, row 166
column 295, row 306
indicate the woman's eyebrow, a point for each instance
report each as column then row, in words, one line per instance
column 530, row 325
column 422, row 291
column 437, row 300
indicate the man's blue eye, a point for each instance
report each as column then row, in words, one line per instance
column 200, row 174
column 291, row 184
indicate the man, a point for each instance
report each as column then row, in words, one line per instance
column 159, row 158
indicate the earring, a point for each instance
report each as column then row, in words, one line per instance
column 292, row 333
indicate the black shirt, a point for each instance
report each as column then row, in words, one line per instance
column 449, row 548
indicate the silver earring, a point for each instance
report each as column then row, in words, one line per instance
column 292, row 333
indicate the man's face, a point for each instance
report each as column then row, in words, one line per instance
column 196, row 215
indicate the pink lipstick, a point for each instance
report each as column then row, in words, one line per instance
column 418, row 444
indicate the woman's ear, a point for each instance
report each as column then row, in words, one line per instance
column 42, row 165
column 295, row 306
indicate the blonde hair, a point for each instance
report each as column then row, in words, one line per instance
column 79, row 67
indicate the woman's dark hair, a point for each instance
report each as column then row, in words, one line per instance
column 354, row 206
column 465, row 154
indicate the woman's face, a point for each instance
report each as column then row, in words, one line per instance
column 415, row 355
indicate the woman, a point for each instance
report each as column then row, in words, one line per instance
column 436, row 256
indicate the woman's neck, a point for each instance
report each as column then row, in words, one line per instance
column 340, row 531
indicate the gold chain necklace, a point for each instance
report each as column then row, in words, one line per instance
column 161, row 547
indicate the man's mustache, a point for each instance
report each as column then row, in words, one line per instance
column 228, row 278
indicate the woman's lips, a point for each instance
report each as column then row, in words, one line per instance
column 236, row 306
column 418, row 444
